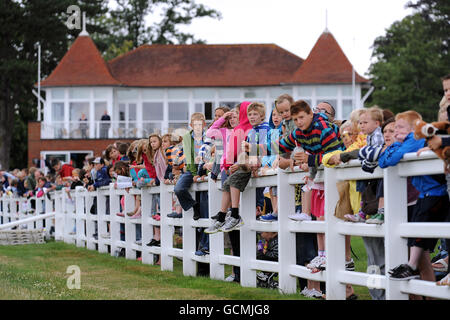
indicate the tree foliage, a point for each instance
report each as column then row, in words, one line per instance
column 127, row 23
column 410, row 60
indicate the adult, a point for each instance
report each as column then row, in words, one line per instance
column 83, row 126
column 104, row 127
column 327, row 109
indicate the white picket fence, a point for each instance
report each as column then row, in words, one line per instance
column 395, row 230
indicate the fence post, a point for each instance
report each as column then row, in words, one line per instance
column 396, row 212
column 166, row 230
column 147, row 224
column 334, row 241
column 102, row 219
column 80, row 217
column 286, row 239
column 216, row 240
column 91, row 219
column 59, row 217
column 248, row 236
column 114, row 227
column 189, row 241
column 130, row 228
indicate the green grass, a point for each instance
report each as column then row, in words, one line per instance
column 39, row 272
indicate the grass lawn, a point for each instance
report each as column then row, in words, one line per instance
column 39, row 272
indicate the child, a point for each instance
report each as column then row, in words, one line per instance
column 172, row 144
column 63, row 169
column 112, row 154
column 370, row 121
column 159, row 162
column 432, row 205
column 270, row 161
column 192, row 141
column 317, row 136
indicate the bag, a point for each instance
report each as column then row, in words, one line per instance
column 343, row 206
column 369, row 201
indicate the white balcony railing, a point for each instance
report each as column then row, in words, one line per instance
column 395, row 229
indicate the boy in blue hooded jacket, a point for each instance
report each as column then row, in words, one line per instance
column 432, row 205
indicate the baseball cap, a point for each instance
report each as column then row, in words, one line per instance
column 99, row 160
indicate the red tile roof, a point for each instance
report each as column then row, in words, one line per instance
column 326, row 63
column 82, row 65
column 203, row 65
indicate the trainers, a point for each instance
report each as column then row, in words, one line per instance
column 403, row 272
column 106, row 235
column 216, row 227
column 268, row 217
column 157, row 217
column 130, row 213
column 154, row 243
column 317, row 263
column 138, row 242
column 120, row 214
column 359, row 217
column 202, row 252
column 232, row 224
column 376, row 219
column 350, row 265
column 136, row 216
column 230, row 278
column 313, row 293
column 300, row 216
column 305, row 292
column 175, row 215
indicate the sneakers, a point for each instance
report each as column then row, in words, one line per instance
column 305, row 292
column 175, row 215
column 154, row 243
column 202, row 252
column 138, row 242
column 313, row 293
column 317, row 263
column 120, row 214
column 232, row 224
column 268, row 217
column 130, row 213
column 157, row 217
column 136, row 216
column 359, row 217
column 300, row 216
column 403, row 272
column 350, row 265
column 376, row 219
column 216, row 227
column 230, row 278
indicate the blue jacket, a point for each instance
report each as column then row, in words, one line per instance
column 272, row 145
column 102, row 179
column 426, row 185
column 259, row 135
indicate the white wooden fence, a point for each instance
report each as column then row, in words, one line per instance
column 395, row 230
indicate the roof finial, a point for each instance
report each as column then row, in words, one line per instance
column 326, row 20
column 84, row 32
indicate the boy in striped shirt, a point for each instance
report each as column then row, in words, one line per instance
column 317, row 136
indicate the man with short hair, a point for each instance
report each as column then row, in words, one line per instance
column 327, row 109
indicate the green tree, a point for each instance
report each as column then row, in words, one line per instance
column 25, row 24
column 127, row 23
column 410, row 60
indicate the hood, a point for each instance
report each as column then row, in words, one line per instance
column 244, row 124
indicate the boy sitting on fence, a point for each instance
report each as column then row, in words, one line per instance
column 432, row 205
column 317, row 136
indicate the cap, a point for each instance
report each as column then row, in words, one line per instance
column 99, row 160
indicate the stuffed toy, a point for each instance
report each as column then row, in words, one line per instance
column 428, row 130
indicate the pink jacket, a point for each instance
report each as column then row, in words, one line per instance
column 160, row 165
column 216, row 132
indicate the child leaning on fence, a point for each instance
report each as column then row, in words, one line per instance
column 432, row 205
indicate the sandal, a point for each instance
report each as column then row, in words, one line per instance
column 444, row 267
column 444, row 281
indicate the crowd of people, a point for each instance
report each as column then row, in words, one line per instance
column 239, row 144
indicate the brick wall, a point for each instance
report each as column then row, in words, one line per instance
column 36, row 144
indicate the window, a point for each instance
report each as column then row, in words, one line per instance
column 206, row 108
column 101, row 93
column 276, row 92
column 178, row 94
column 178, row 111
column 77, row 128
column 229, row 93
column 58, row 94
column 79, row 93
column 131, row 94
column 347, row 108
column 99, row 110
column 152, row 111
column 58, row 111
column 204, row 93
column 327, row 91
column 152, row 94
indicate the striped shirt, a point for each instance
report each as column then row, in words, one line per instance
column 375, row 139
column 321, row 137
column 175, row 156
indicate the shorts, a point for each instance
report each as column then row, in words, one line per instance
column 429, row 209
column 317, row 203
column 238, row 180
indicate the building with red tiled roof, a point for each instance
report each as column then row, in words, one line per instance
column 157, row 88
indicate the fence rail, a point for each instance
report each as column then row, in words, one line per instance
column 395, row 229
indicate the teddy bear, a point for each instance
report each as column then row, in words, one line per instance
column 427, row 130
